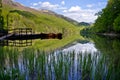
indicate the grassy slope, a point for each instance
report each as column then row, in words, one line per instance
column 41, row 22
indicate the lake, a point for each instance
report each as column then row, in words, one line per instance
column 94, row 58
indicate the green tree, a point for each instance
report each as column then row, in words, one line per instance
column 117, row 24
column 105, row 20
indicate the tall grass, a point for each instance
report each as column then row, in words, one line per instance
column 31, row 64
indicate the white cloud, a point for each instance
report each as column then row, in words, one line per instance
column 45, row 5
column 63, row 2
column 65, row 11
column 35, row 4
column 79, row 14
column 74, row 9
column 90, row 5
column 48, row 6
column 75, row 12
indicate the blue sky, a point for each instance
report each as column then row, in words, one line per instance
column 79, row 10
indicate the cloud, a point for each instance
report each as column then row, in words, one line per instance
column 63, row 2
column 35, row 4
column 45, row 5
column 79, row 14
column 75, row 12
column 74, row 9
column 48, row 6
column 90, row 5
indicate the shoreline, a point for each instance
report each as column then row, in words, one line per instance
column 109, row 34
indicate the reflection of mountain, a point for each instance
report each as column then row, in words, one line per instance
column 80, row 46
column 84, row 24
column 75, row 42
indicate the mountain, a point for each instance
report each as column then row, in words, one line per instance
column 84, row 24
column 16, row 5
column 39, row 20
column 62, row 16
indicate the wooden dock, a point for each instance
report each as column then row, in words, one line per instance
column 21, row 37
column 27, row 33
column 35, row 36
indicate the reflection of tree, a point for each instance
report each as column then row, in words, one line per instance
column 111, row 48
column 107, row 45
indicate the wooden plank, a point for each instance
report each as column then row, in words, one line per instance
column 5, row 36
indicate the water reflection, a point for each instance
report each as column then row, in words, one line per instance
column 34, row 64
column 16, row 43
column 81, row 48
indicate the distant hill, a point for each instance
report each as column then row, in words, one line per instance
column 84, row 24
column 61, row 16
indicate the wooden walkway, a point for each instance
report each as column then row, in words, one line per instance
column 6, row 36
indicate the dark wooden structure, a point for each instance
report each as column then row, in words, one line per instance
column 16, row 43
column 27, row 33
column 22, row 37
column 35, row 36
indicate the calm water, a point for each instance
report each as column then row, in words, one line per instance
column 96, row 58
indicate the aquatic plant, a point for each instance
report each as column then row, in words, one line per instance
column 39, row 65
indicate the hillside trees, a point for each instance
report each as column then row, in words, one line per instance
column 109, row 19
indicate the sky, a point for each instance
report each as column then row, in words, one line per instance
column 79, row 10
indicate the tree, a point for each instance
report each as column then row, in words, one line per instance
column 117, row 24
column 107, row 19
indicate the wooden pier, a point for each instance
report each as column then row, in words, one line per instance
column 22, row 37
column 35, row 36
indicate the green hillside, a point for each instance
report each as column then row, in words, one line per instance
column 40, row 21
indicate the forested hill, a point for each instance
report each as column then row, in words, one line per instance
column 108, row 20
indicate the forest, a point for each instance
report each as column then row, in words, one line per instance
column 108, row 20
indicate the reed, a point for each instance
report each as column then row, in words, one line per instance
column 39, row 65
